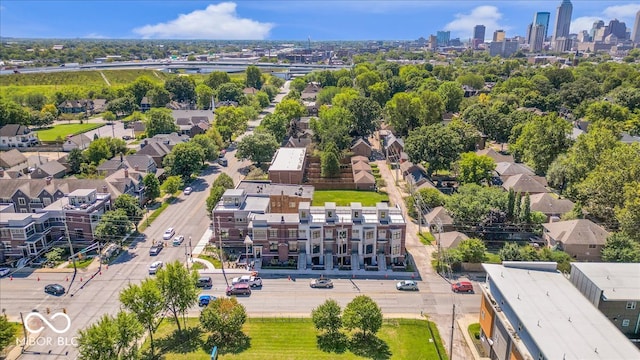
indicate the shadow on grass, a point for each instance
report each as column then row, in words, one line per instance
column 233, row 344
column 369, row 346
column 333, row 342
column 181, row 342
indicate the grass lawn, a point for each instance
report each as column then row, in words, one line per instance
column 62, row 130
column 81, row 264
column 295, row 339
column 426, row 238
column 211, row 259
column 142, row 226
column 345, row 197
column 492, row 258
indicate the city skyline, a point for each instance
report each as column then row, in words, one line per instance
column 287, row 20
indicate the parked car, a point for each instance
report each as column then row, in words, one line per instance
column 253, row 281
column 204, row 300
column 321, row 283
column 462, row 286
column 155, row 249
column 168, row 233
column 54, row 289
column 188, row 190
column 177, row 241
column 204, row 282
column 4, row 272
column 126, row 137
column 407, row 285
column 155, row 266
column 223, row 162
column 239, row 289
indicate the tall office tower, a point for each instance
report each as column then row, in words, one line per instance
column 527, row 37
column 635, row 35
column 443, row 37
column 594, row 30
column 537, row 38
column 499, row 35
column 617, row 28
column 478, row 35
column 542, row 18
column 563, row 22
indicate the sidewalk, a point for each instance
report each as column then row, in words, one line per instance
column 463, row 324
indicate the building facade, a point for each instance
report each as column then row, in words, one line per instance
column 563, row 23
column 542, row 18
column 16, row 136
column 635, row 35
column 287, row 166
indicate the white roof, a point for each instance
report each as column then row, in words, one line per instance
column 561, row 322
column 288, row 159
column 618, row 281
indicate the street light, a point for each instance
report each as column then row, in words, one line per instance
column 247, row 242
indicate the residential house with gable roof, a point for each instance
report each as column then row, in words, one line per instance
column 13, row 160
column 580, row 238
column 80, row 141
column 17, row 136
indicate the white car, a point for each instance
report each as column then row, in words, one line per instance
column 155, row 266
column 252, row 281
column 177, row 241
column 188, row 190
column 168, row 234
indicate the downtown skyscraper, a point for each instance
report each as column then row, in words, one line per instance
column 561, row 41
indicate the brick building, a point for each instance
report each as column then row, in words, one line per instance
column 287, row 166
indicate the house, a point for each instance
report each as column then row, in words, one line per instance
column 394, row 147
column 581, row 238
column 529, row 310
column 99, row 105
column 249, row 91
column 80, row 142
column 439, row 219
column 504, row 169
column 364, row 180
column 525, row 184
column 138, row 127
column 361, row 166
column 287, row 166
column 629, row 139
column 15, row 136
column 450, row 239
column 145, row 104
column 299, row 142
column 141, row 163
column 550, row 205
column 13, row 159
column 284, row 198
column 310, row 92
column 361, row 147
column 51, row 169
column 496, row 156
column 82, row 106
column 614, row 289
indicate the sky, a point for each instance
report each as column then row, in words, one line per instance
column 289, row 19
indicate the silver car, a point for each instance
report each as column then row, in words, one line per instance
column 321, row 283
column 407, row 285
column 155, row 266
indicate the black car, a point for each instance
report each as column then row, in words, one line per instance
column 54, row 289
column 204, row 282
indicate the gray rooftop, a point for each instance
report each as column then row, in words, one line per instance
column 256, row 204
column 288, row 159
column 559, row 319
column 268, row 188
column 82, row 192
column 618, row 281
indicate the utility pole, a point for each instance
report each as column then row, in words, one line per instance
column 453, row 321
column 186, row 255
column 73, row 256
column 221, row 252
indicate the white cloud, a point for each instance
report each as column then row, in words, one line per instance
column 583, row 23
column 620, row 12
column 216, row 22
column 489, row 16
column 95, row 36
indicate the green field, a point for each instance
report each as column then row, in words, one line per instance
column 83, row 78
column 345, row 197
column 63, row 130
column 295, row 339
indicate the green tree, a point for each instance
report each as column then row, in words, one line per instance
column 362, row 313
column 365, row 80
column 629, row 215
column 540, row 141
column 123, row 106
column 431, row 197
column 171, row 185
column 111, row 338
column 473, row 203
column 404, row 112
column 7, row 332
column 98, row 150
column 204, row 95
column 140, row 87
column 621, row 248
column 160, row 121
column 327, row 316
column 275, row 124
column 178, row 288
column 145, row 301
column 217, row 78
column 436, row 145
column 263, row 99
column 472, row 250
column 451, row 93
column 380, row 92
column 474, row 168
column 215, row 194
column 75, row 160
column 182, row 88
column 258, row 147
column 224, row 318
column 326, row 94
column 366, row 115
column 511, row 203
column 332, row 127
column 184, row 159
column 510, row 252
column 108, row 116
column 298, row 84
column 290, row 109
column 525, row 213
column 159, row 97
column 113, row 225
column 476, row 81
column 469, row 134
column 130, row 205
column 330, row 162
column 151, row 187
column 12, row 113
column 229, row 92
column 254, row 77
column 230, row 121
column 54, row 255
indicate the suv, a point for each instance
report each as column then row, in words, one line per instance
column 462, row 286
column 204, row 300
column 204, row 282
column 239, row 289
column 168, row 234
column 253, row 281
column 154, row 267
column 155, row 248
column 177, row 241
column 223, row 162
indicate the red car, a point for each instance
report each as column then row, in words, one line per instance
column 462, row 286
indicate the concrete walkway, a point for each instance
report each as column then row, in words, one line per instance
column 206, row 263
column 463, row 325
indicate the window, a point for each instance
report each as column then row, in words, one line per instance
column 302, row 234
column 328, row 234
column 303, row 214
column 46, row 201
column 368, row 249
column 79, row 233
column 259, row 234
column 356, row 214
column 224, row 233
column 273, row 246
column 368, row 235
column 315, row 234
column 592, row 246
column 330, row 214
column 293, row 246
column 342, row 234
column 342, row 249
column 292, row 233
column 273, row 233
column 625, row 322
column 395, row 249
column 292, row 204
column 22, row 201
column 396, row 234
column 383, row 215
column 315, row 249
column 24, row 211
column 631, row 305
column 18, row 234
column 382, row 234
column 355, row 234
